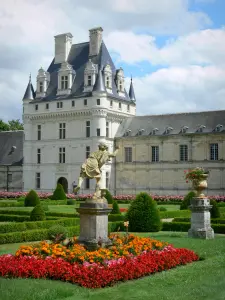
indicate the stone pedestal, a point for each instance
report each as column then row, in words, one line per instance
column 200, row 219
column 94, row 223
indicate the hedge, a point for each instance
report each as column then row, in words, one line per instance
column 19, row 218
column 33, row 235
column 12, row 227
column 213, row 221
column 185, row 226
column 115, row 226
column 116, row 217
column 175, row 213
column 48, row 213
column 11, row 204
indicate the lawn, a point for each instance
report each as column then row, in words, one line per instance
column 197, row 281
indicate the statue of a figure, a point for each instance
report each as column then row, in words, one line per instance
column 91, row 168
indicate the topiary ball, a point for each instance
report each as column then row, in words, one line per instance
column 57, row 233
column 37, row 214
column 143, row 214
column 187, row 201
column 59, row 193
column 31, row 199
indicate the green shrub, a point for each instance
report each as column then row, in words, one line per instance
column 115, row 208
column 71, row 202
column 215, row 212
column 57, row 233
column 175, row 213
column 213, row 221
column 185, row 226
column 162, row 209
column 116, row 217
column 115, row 226
column 143, row 214
column 220, row 204
column 108, row 197
column 37, row 214
column 31, row 199
column 13, row 218
column 59, row 193
column 187, row 200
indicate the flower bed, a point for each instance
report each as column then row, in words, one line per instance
column 130, row 257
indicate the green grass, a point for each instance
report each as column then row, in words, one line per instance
column 197, row 281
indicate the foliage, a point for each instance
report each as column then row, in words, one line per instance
column 71, row 202
column 185, row 226
column 108, row 197
column 187, row 200
column 195, row 174
column 214, row 212
column 37, row 214
column 11, row 125
column 59, row 193
column 162, row 209
column 143, row 214
column 213, row 221
column 115, row 217
column 57, row 233
column 115, row 208
column 13, row 218
column 31, row 199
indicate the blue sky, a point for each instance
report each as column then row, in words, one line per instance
column 174, row 49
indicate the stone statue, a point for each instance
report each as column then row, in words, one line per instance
column 91, row 168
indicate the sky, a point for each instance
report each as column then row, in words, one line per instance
column 174, row 49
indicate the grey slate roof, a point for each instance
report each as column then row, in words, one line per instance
column 78, row 57
column 210, row 119
column 8, row 139
column 29, row 93
column 131, row 91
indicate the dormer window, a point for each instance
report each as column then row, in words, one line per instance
column 153, row 132
column 64, row 82
column 140, row 131
column 219, row 128
column 89, row 80
column 43, row 79
column 90, row 74
column 127, row 132
column 184, row 129
column 120, row 86
column 108, row 77
column 107, row 82
column 200, row 128
column 168, row 130
column 120, row 82
column 41, row 87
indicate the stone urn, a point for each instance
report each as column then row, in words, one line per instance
column 200, row 185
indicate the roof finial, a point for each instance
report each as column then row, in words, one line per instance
column 30, row 78
column 131, row 78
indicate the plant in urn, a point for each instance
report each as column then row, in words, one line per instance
column 198, row 177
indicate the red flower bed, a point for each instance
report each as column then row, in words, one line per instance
column 95, row 275
column 123, row 209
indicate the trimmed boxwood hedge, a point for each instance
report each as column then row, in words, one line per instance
column 185, row 226
column 11, row 204
column 174, row 214
column 114, row 218
column 48, row 213
column 19, row 218
column 213, row 221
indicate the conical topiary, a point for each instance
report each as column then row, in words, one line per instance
column 37, row 214
column 115, row 208
column 108, row 197
column 187, row 200
column 31, row 199
column 214, row 212
column 59, row 193
column 143, row 214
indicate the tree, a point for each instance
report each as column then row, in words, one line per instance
column 4, row 126
column 15, row 125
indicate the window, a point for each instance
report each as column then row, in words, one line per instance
column 38, row 156
column 213, row 151
column 88, row 128
column 120, row 105
column 62, row 155
column 155, row 153
column 107, row 82
column 64, row 82
column 41, row 87
column 85, row 102
column 87, row 183
column 87, row 151
column 9, row 178
column 38, row 180
column 128, row 107
column 120, row 86
column 183, row 153
column 128, row 154
column 89, row 80
column 39, row 132
column 46, row 106
column 59, row 105
column 111, row 103
column 73, row 103
column 107, row 180
column 62, row 130
column 107, row 129
column 98, row 101
column 36, row 107
column 98, row 132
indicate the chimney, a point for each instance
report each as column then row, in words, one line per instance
column 63, row 43
column 95, row 41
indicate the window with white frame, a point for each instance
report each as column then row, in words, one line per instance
column 41, row 87
column 73, row 103
column 62, row 155
column 38, row 132
column 107, row 82
column 88, row 128
column 46, row 106
column 88, row 149
column 64, row 82
column 107, row 129
column 107, row 180
column 38, row 156
column 128, row 154
column 98, row 132
column 85, row 102
column 155, row 153
column 98, row 101
column 120, row 86
column 36, row 106
column 38, row 180
column 60, row 104
column 183, row 152
column 214, row 153
column 89, row 80
column 62, row 131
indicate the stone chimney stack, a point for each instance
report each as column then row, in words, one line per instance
column 95, row 41
column 63, row 43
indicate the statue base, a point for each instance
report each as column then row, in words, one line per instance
column 94, row 223
column 200, row 219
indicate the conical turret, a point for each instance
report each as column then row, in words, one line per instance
column 29, row 93
column 99, row 86
column 131, row 91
